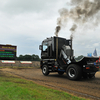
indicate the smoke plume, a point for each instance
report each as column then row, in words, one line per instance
column 57, row 30
column 73, row 28
column 81, row 12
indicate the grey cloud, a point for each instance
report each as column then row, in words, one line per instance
column 20, row 6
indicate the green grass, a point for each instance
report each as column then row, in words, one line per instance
column 14, row 88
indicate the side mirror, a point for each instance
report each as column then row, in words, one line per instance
column 40, row 47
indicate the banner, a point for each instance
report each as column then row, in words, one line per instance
column 9, row 62
column 26, row 62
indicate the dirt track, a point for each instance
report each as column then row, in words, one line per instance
column 88, row 88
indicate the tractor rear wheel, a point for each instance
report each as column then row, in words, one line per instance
column 74, row 72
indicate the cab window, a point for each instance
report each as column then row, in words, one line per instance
column 45, row 46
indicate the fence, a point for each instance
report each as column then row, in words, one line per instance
column 19, row 63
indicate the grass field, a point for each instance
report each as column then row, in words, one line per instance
column 14, row 88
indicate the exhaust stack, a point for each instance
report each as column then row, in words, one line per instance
column 56, row 48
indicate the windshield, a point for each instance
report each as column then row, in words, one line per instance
column 45, row 46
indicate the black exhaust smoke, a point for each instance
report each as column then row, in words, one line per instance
column 57, row 30
column 82, row 12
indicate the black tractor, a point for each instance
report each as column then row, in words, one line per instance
column 57, row 56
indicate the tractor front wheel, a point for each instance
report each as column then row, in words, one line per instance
column 45, row 70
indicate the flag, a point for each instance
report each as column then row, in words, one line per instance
column 95, row 53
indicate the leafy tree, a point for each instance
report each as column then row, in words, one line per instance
column 28, row 57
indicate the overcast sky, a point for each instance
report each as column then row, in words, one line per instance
column 25, row 23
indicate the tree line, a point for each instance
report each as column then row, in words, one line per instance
column 28, row 57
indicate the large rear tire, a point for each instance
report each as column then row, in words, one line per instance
column 74, row 72
column 45, row 70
